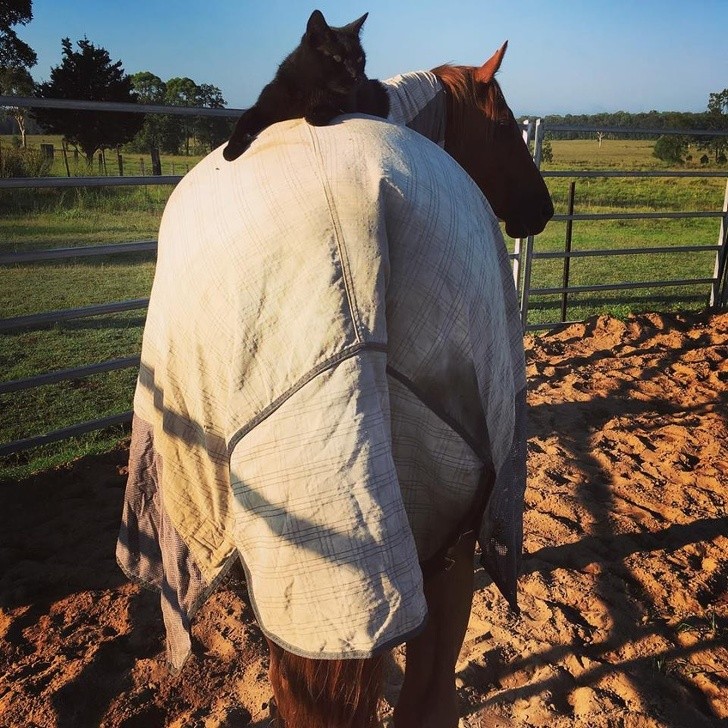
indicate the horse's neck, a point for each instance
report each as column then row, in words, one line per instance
column 417, row 100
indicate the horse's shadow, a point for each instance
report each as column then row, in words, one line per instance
column 609, row 550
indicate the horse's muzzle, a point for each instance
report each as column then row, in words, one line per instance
column 531, row 223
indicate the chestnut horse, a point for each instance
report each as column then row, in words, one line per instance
column 481, row 134
column 332, row 388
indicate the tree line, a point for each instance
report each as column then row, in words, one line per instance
column 670, row 148
column 88, row 72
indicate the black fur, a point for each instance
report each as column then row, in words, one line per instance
column 322, row 78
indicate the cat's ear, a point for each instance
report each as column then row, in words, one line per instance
column 317, row 28
column 355, row 27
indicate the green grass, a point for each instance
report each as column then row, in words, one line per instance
column 64, row 218
column 133, row 163
column 631, row 195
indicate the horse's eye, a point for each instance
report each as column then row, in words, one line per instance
column 337, row 59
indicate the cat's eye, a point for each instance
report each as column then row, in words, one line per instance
column 337, row 59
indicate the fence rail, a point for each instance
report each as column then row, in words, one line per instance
column 523, row 256
column 32, row 102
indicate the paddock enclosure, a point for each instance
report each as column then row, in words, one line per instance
column 613, row 245
column 624, row 591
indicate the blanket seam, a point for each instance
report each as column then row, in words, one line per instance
column 343, row 355
column 441, row 414
column 339, row 237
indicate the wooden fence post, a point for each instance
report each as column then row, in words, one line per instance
column 156, row 162
column 65, row 158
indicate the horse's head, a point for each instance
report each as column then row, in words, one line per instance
column 485, row 139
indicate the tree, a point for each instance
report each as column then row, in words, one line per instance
column 89, row 74
column 17, row 81
column 150, row 89
column 182, row 92
column 13, row 51
column 211, row 131
column 718, row 102
column 716, row 119
column 670, row 148
column 167, row 132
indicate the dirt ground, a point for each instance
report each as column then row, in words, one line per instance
column 624, row 592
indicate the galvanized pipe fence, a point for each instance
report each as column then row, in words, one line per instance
column 523, row 256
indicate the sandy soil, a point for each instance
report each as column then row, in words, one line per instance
column 624, row 589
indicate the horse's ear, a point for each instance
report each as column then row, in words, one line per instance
column 487, row 71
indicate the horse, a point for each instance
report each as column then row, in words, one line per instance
column 202, row 491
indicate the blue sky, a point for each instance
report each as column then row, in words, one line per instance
column 565, row 56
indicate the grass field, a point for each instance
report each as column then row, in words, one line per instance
column 64, row 218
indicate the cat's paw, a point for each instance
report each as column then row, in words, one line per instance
column 321, row 117
column 236, row 147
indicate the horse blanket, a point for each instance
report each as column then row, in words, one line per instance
column 332, row 366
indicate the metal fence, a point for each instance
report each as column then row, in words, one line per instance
column 523, row 256
column 525, row 252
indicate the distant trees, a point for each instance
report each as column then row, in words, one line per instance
column 657, row 120
column 171, row 133
column 89, row 74
column 716, row 118
column 670, row 148
column 211, row 131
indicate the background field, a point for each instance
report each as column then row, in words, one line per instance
column 71, row 217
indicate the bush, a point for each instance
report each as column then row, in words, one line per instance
column 23, row 163
column 670, row 148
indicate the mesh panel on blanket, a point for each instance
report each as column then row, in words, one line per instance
column 501, row 533
column 150, row 551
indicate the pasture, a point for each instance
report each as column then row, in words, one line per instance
column 49, row 218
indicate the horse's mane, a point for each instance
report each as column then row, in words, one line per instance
column 468, row 95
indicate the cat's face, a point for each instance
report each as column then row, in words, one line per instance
column 338, row 50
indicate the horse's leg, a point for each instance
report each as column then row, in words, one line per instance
column 428, row 698
column 312, row 693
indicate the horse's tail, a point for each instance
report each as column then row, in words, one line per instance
column 312, row 693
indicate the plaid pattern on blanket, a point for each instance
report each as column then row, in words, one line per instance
column 332, row 358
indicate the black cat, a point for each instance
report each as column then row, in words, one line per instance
column 322, row 78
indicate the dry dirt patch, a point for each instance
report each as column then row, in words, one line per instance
column 624, row 588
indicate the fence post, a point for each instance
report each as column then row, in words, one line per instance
column 156, row 162
column 537, row 142
column 537, row 129
column 120, row 161
column 567, row 250
column 717, row 297
column 65, row 158
column 526, row 291
column 527, row 126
